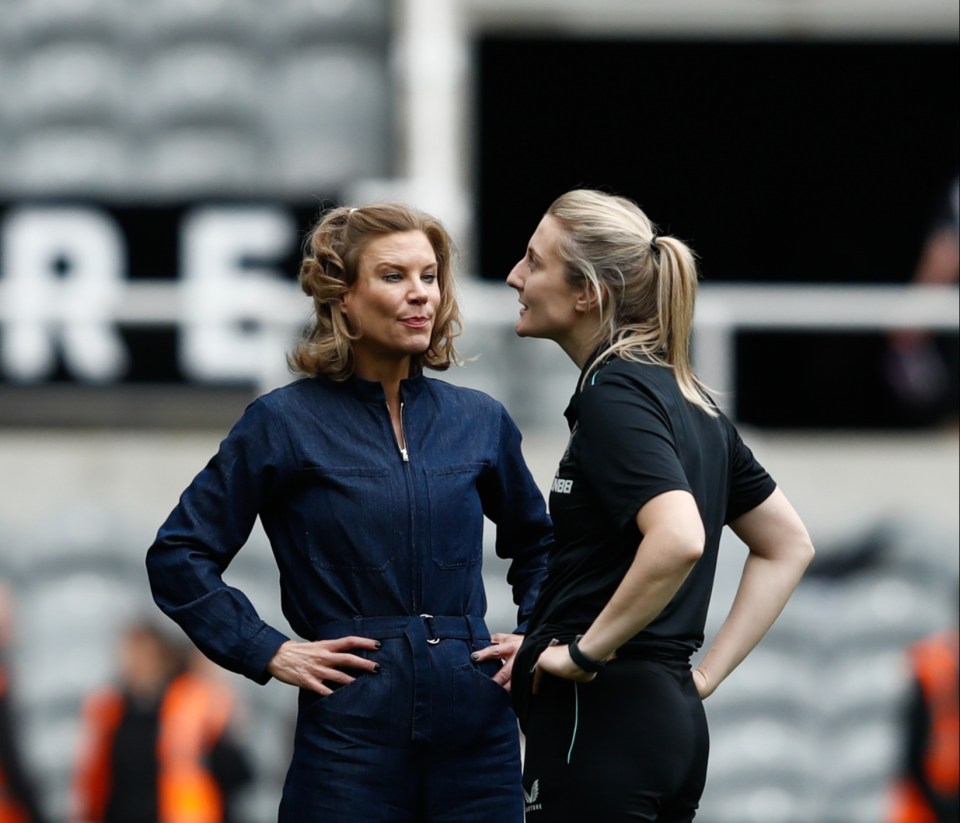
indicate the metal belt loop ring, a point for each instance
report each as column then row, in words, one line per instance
column 427, row 618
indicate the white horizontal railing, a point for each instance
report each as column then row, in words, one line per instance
column 723, row 310
column 277, row 310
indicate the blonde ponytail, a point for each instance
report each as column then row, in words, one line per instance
column 645, row 284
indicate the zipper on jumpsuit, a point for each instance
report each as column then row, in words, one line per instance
column 405, row 456
column 422, row 712
column 402, row 445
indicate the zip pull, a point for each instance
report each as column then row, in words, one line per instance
column 401, row 442
column 403, row 438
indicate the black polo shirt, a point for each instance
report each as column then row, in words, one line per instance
column 634, row 436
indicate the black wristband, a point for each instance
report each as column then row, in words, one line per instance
column 583, row 662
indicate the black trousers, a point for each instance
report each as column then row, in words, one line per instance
column 631, row 745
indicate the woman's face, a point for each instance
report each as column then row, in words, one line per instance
column 394, row 301
column 547, row 298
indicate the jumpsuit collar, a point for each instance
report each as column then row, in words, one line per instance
column 371, row 391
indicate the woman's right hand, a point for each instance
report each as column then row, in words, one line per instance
column 702, row 683
column 310, row 665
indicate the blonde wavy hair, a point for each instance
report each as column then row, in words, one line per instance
column 645, row 285
column 331, row 260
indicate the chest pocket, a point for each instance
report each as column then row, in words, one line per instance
column 352, row 517
column 456, row 515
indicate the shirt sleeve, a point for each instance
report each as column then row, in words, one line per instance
column 209, row 525
column 627, row 449
column 512, row 500
column 750, row 484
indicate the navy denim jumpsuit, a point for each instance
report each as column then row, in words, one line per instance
column 378, row 542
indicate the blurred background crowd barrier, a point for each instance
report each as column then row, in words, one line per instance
column 160, row 162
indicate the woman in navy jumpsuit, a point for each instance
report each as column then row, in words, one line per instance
column 372, row 482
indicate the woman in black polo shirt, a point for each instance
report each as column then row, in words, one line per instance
column 613, row 715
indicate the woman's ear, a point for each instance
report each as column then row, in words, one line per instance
column 588, row 300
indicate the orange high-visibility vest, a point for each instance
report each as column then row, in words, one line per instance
column 193, row 715
column 935, row 661
column 10, row 810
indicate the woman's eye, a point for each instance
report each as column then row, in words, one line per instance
column 531, row 262
column 391, row 277
column 429, row 277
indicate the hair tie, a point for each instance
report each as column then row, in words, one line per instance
column 653, row 246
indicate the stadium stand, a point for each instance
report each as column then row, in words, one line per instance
column 68, row 161
column 299, row 96
column 70, row 82
column 186, row 98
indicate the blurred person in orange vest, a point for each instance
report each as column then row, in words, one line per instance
column 928, row 784
column 160, row 746
column 18, row 798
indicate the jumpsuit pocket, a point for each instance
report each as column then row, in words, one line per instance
column 352, row 520
column 480, row 706
column 456, row 515
column 367, row 698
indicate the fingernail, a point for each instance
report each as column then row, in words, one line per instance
column 377, row 646
column 376, row 669
column 474, row 657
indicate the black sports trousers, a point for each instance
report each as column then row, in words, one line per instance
column 631, row 745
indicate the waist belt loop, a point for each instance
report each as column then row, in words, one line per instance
column 429, row 629
column 478, row 631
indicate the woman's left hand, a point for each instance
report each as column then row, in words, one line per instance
column 555, row 659
column 504, row 648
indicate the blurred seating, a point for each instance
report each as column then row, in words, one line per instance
column 765, row 748
column 294, row 22
column 759, row 804
column 35, row 23
column 884, row 609
column 330, row 117
column 865, row 685
column 53, row 736
column 771, row 682
column 69, row 83
column 160, row 24
column 72, row 613
column 855, row 776
column 762, row 770
column 202, row 160
column 297, row 93
column 68, row 160
column 200, row 83
column 807, row 729
column 340, row 88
